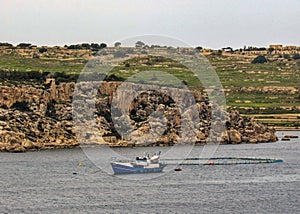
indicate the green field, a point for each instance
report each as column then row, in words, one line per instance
column 22, row 64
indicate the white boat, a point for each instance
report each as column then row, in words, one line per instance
column 144, row 164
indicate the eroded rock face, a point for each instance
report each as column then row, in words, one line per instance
column 40, row 117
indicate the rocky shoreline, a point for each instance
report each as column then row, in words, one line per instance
column 39, row 116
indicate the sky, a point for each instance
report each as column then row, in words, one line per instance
column 207, row 23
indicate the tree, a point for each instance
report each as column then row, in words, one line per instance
column 103, row 45
column 24, row 45
column 199, row 48
column 95, row 46
column 42, row 50
column 21, row 106
column 74, row 47
column 86, row 45
column 270, row 50
column 6, row 44
column 139, row 44
column 259, row 60
column 117, row 44
column 296, row 56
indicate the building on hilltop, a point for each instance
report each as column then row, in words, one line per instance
column 290, row 47
column 276, row 47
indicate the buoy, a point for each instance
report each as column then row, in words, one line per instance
column 79, row 164
column 177, row 169
column 211, row 163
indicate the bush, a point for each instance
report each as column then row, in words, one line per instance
column 51, row 111
column 24, row 45
column 64, row 77
column 259, row 60
column 95, row 46
column 198, row 49
column 42, row 50
column 296, row 56
column 117, row 44
column 139, row 44
column 21, row 106
column 103, row 45
column 74, row 47
column 113, row 78
column 86, row 45
column 6, row 44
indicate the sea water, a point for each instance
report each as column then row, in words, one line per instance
column 66, row 181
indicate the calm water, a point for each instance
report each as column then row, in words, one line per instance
column 52, row 182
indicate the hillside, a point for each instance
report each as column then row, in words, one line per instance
column 268, row 91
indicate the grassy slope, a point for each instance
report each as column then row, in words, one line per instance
column 19, row 63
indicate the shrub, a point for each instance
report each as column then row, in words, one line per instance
column 198, row 49
column 86, row 45
column 113, row 78
column 259, row 60
column 21, row 106
column 74, row 47
column 42, row 50
column 51, row 111
column 139, row 44
column 24, row 45
column 103, row 45
column 117, row 44
column 6, row 44
column 95, row 46
column 296, row 56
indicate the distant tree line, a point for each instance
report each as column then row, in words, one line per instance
column 251, row 48
column 40, row 77
column 6, row 44
column 87, row 46
column 21, row 45
column 94, row 46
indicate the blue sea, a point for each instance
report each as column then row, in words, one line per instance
column 67, row 181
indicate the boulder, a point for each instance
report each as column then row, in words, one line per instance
column 235, row 136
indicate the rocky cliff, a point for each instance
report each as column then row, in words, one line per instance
column 39, row 116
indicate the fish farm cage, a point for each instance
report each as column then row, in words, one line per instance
column 219, row 161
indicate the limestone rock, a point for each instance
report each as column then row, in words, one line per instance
column 235, row 136
column 34, row 117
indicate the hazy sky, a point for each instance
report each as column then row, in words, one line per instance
column 209, row 23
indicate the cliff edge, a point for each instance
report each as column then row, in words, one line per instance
column 39, row 116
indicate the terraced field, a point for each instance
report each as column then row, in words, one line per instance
column 270, row 91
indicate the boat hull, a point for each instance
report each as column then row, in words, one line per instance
column 127, row 168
